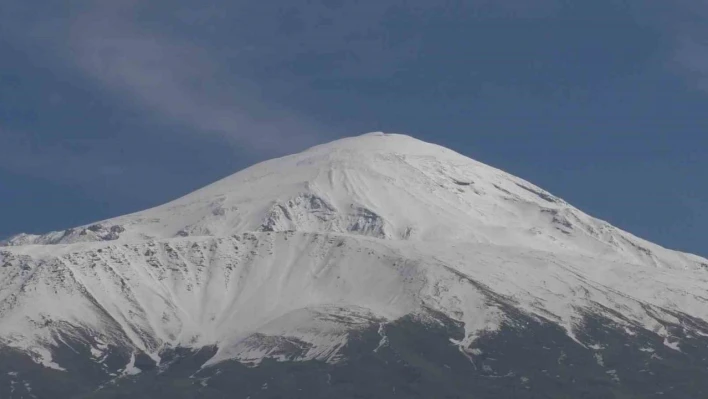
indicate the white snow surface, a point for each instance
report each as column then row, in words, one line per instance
column 291, row 255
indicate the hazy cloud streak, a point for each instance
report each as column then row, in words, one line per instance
column 686, row 24
column 179, row 82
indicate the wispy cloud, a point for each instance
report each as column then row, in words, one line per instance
column 684, row 24
column 691, row 56
column 174, row 84
column 179, row 82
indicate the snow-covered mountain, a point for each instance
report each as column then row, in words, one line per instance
column 293, row 258
column 384, row 186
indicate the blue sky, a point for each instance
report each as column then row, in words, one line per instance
column 111, row 107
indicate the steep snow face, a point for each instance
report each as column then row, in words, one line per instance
column 286, row 258
column 385, row 186
column 193, row 293
column 298, row 296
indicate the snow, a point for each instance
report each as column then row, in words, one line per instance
column 672, row 345
column 96, row 353
column 130, row 368
column 384, row 338
column 299, row 251
column 44, row 357
column 613, row 374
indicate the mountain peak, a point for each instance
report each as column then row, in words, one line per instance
column 386, row 142
column 375, row 134
column 386, row 186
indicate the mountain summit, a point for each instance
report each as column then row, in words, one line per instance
column 387, row 186
column 379, row 239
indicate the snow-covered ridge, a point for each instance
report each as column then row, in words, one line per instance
column 286, row 258
column 386, row 186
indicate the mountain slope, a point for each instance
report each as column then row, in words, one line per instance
column 385, row 186
column 300, row 258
